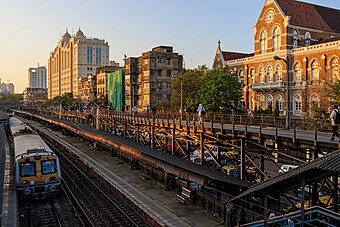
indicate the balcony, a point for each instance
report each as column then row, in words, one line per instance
column 298, row 84
column 268, row 86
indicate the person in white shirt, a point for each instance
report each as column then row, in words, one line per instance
column 334, row 123
column 200, row 113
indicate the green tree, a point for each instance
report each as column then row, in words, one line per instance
column 220, row 89
column 65, row 99
column 333, row 91
column 191, row 83
column 276, row 112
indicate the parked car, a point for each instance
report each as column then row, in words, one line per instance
column 285, row 168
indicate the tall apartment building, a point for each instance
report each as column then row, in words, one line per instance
column 306, row 40
column 37, row 77
column 148, row 77
column 75, row 58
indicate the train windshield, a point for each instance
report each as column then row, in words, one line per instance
column 27, row 169
column 48, row 166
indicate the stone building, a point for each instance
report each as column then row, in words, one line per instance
column 102, row 73
column 87, row 88
column 75, row 57
column 305, row 38
column 35, row 95
column 148, row 78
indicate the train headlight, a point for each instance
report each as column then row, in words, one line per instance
column 27, row 191
column 53, row 188
column 25, row 182
column 32, row 183
column 47, row 180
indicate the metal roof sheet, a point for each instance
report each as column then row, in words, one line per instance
column 328, row 164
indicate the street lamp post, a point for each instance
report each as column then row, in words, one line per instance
column 181, row 79
column 277, row 58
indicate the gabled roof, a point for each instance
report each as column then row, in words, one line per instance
column 311, row 16
column 234, row 55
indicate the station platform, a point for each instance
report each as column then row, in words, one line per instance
column 148, row 194
column 10, row 215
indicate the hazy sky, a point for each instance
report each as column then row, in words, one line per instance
column 30, row 29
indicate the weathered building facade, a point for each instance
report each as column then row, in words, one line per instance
column 305, row 39
column 102, row 72
column 148, row 77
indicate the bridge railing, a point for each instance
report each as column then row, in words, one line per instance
column 305, row 123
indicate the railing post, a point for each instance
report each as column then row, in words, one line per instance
column 98, row 118
column 152, row 145
column 60, row 107
column 315, row 136
column 202, row 148
column 173, row 144
column 294, row 135
column 137, row 133
column 222, row 124
column 243, row 160
column 125, row 129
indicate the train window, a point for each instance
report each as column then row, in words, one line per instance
column 27, row 169
column 48, row 166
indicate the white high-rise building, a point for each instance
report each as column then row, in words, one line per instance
column 37, row 77
column 73, row 59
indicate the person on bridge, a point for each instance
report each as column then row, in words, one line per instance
column 335, row 120
column 200, row 112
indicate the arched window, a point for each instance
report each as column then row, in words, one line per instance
column 295, row 38
column 335, row 71
column 278, row 73
column 297, row 72
column 270, row 74
column 315, row 71
column 308, row 37
column 241, row 76
column 297, row 103
column 269, row 103
column 278, row 102
column 276, row 38
column 262, row 75
column 252, row 76
column 263, row 42
column 262, row 103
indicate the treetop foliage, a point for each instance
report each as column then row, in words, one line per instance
column 215, row 89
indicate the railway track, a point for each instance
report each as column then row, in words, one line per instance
column 40, row 213
column 95, row 203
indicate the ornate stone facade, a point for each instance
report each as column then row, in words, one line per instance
column 305, row 39
column 74, row 59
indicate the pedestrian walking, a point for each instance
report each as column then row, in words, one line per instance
column 200, row 113
column 148, row 109
column 335, row 121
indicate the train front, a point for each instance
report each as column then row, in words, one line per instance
column 37, row 172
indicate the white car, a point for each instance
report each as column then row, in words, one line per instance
column 285, row 168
